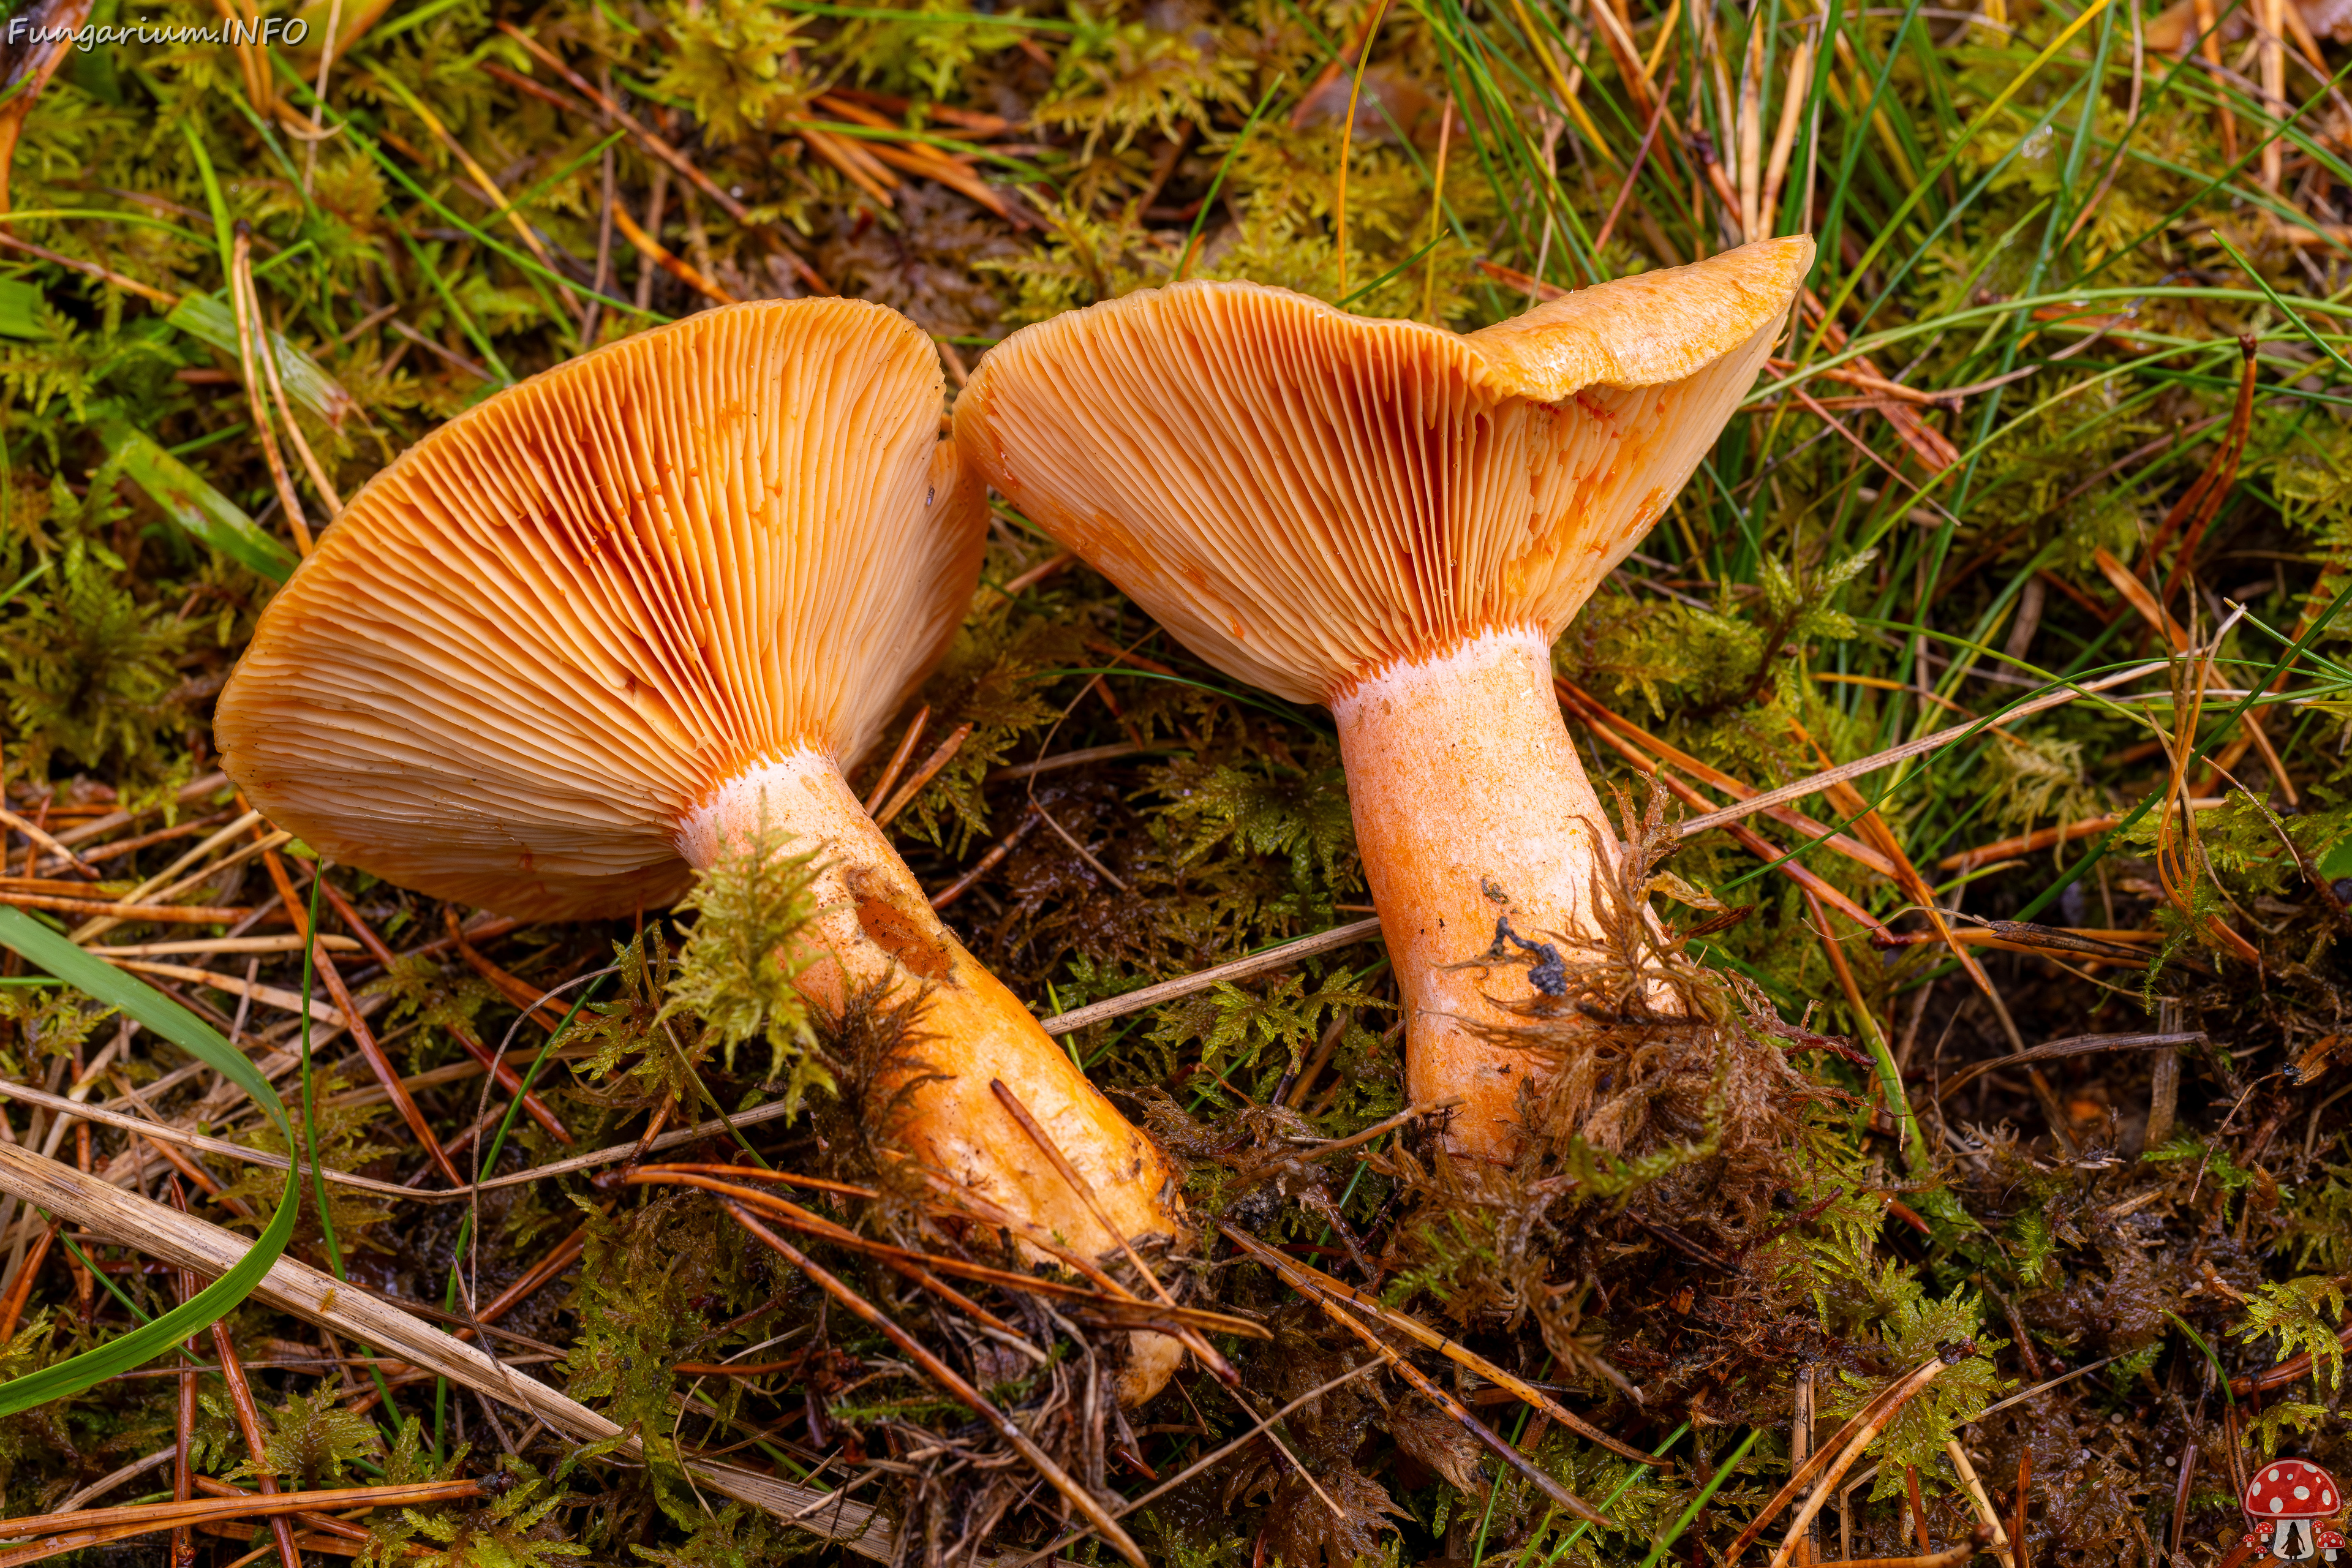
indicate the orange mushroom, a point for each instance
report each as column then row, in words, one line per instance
column 1397, row 521
column 586, row 636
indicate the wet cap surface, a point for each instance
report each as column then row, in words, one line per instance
column 554, row 626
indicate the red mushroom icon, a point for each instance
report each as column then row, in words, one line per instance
column 2286, row 1501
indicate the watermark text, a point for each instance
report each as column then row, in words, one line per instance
column 287, row 30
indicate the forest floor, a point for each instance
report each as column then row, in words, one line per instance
column 2052, row 1204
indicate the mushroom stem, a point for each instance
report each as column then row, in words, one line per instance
column 873, row 925
column 1471, row 807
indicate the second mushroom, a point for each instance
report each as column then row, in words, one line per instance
column 1397, row 521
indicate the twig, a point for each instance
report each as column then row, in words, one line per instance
column 447, row 355
column 1080, row 850
column 986, row 863
column 39, row 835
column 1314, row 1149
column 92, row 268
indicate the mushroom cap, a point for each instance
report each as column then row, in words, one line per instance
column 2292, row 1488
column 552, row 629
column 1304, row 497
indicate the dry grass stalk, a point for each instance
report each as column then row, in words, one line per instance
column 317, row 1297
column 159, row 914
column 240, row 295
column 1997, row 1537
column 1278, row 957
column 1926, row 745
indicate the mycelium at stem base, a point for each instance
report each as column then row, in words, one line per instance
column 1471, row 808
column 873, row 925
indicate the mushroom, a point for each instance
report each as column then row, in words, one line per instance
column 2286, row 1499
column 1397, row 521
column 580, row 640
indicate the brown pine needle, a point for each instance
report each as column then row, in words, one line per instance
column 1292, row 1275
column 1114, row 1305
column 1084, row 1502
column 248, row 1426
column 362, row 1037
column 652, row 250
column 897, row 762
column 1201, row 1349
column 163, row 1515
column 1825, row 1455
column 942, row 755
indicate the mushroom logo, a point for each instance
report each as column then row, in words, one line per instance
column 2287, row 1501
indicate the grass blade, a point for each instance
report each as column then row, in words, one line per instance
column 145, row 1005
